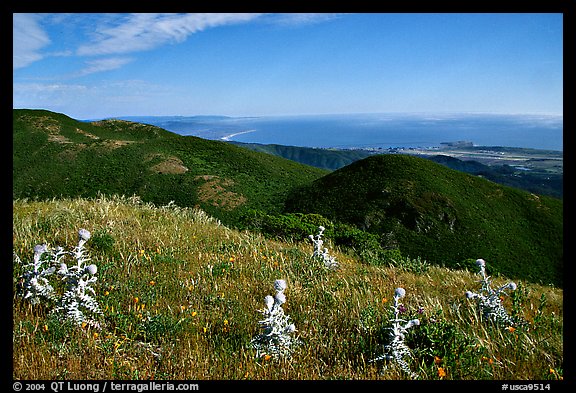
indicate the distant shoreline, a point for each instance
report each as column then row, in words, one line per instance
column 227, row 137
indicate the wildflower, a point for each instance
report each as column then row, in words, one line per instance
column 280, row 298
column 399, row 293
column 441, row 372
column 320, row 252
column 92, row 269
column 83, row 235
column 490, row 300
column 45, row 328
column 194, row 313
column 420, row 310
column 277, row 336
column 511, row 329
column 396, row 349
column 437, row 360
column 279, row 285
column 152, row 283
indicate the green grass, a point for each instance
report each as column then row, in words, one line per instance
column 180, row 294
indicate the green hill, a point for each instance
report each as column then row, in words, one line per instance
column 328, row 159
column 54, row 156
column 443, row 215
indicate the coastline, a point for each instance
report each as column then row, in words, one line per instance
column 228, row 137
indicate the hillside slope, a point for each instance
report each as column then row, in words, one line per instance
column 181, row 296
column 442, row 215
column 54, row 155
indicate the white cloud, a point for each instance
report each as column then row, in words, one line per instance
column 139, row 32
column 28, row 39
column 298, row 19
column 105, row 64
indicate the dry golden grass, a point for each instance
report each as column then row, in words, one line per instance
column 181, row 294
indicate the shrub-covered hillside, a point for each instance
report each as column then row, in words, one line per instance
column 54, row 155
column 442, row 215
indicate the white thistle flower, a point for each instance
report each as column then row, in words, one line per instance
column 269, row 301
column 83, row 234
column 279, row 285
column 280, row 298
column 92, row 269
column 399, row 293
column 480, row 262
column 40, row 249
column 411, row 323
column 512, row 286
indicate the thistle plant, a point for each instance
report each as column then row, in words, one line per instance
column 33, row 284
column 322, row 253
column 277, row 338
column 396, row 349
column 488, row 299
column 77, row 303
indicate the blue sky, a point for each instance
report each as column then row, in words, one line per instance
column 104, row 65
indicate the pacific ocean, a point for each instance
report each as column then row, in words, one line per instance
column 382, row 130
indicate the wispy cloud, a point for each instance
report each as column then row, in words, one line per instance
column 111, row 36
column 298, row 19
column 105, row 64
column 28, row 39
column 140, row 32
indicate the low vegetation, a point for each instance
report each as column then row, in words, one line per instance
column 444, row 216
column 182, row 297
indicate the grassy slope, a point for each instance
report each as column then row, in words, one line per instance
column 198, row 310
column 443, row 215
column 54, row 155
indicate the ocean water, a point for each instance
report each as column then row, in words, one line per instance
column 376, row 130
